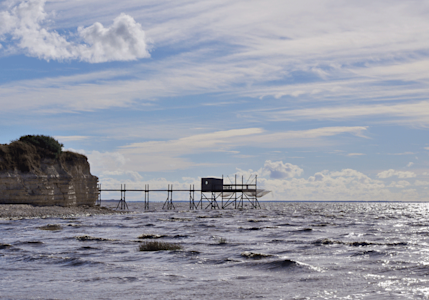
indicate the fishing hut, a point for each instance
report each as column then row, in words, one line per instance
column 219, row 194
column 215, row 193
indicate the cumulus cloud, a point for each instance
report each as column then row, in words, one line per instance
column 399, row 174
column 124, row 40
column 111, row 163
column 400, row 184
column 420, row 183
column 347, row 184
column 410, row 164
column 279, row 170
column 106, row 161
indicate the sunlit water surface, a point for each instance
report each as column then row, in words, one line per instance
column 282, row 251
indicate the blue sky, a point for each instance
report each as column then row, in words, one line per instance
column 323, row 100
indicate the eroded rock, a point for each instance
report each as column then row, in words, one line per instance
column 29, row 175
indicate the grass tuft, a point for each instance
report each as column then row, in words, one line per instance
column 221, row 241
column 158, row 246
column 50, row 227
column 84, row 238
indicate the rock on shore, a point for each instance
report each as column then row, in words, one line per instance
column 24, row 211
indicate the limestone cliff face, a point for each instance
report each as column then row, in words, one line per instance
column 29, row 175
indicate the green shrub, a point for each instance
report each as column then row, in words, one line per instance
column 44, row 142
column 158, row 246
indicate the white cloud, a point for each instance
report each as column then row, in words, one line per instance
column 124, row 40
column 400, row 184
column 420, row 183
column 346, row 184
column 427, row 148
column 111, row 163
column 280, row 170
column 125, row 176
column 410, row 164
column 400, row 174
column 102, row 162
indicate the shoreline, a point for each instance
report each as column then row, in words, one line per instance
column 27, row 211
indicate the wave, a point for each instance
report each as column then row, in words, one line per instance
column 281, row 264
column 284, row 264
column 59, row 260
column 77, row 262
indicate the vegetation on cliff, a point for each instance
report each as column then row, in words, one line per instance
column 28, row 152
column 48, row 144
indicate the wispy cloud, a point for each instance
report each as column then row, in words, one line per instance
column 170, row 154
column 417, row 111
column 70, row 138
column 403, row 153
column 355, row 154
column 345, row 53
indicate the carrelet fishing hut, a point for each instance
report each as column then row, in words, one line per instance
column 221, row 195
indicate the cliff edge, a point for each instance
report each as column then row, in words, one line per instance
column 32, row 174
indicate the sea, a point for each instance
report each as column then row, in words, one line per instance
column 285, row 250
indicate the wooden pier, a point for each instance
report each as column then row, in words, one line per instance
column 214, row 194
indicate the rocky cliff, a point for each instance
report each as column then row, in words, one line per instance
column 31, row 175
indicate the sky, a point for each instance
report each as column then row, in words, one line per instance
column 321, row 99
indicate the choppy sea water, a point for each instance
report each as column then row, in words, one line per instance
column 282, row 251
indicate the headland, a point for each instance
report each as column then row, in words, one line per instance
column 34, row 170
